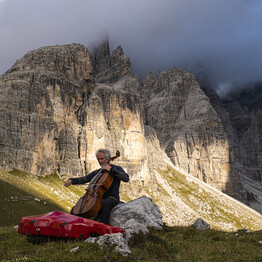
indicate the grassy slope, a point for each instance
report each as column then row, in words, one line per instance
column 20, row 203
column 18, row 191
column 182, row 200
column 215, row 207
column 22, row 195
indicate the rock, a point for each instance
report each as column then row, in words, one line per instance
column 244, row 230
column 245, row 113
column 132, row 227
column 91, row 240
column 74, row 249
column 142, row 210
column 112, row 239
column 240, row 112
column 201, row 224
column 58, row 105
column 53, row 116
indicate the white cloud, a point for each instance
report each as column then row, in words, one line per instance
column 156, row 34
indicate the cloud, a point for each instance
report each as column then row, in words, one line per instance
column 224, row 36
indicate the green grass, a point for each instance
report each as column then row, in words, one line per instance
column 16, row 203
column 168, row 244
column 189, row 244
column 15, row 247
column 18, row 193
column 217, row 210
column 23, row 195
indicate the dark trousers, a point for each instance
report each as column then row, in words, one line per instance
column 107, row 205
column 104, row 213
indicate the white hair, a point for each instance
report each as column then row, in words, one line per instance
column 105, row 151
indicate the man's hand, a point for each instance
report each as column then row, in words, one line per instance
column 106, row 167
column 68, row 183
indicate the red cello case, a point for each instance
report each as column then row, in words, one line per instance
column 61, row 225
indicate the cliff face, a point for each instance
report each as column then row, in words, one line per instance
column 59, row 104
column 40, row 98
column 244, row 110
column 54, row 116
column 189, row 128
column 240, row 114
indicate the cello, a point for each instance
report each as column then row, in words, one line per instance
column 90, row 203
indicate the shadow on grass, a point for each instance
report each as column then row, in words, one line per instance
column 16, row 203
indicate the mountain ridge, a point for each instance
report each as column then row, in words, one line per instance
column 59, row 104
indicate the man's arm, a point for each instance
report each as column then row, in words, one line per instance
column 80, row 180
column 119, row 173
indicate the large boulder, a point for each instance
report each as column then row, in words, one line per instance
column 137, row 215
column 133, row 216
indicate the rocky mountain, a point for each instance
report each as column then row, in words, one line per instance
column 59, row 104
column 54, row 115
column 240, row 113
column 244, row 110
column 189, row 129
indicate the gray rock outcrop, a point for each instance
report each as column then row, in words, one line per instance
column 40, row 98
column 201, row 224
column 110, row 68
column 134, row 216
column 117, row 240
column 54, row 116
column 137, row 215
column 240, row 114
column 245, row 113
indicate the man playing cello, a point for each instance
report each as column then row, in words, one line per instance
column 111, row 196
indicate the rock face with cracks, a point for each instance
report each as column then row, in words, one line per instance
column 59, row 104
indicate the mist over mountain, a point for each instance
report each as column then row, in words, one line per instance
column 248, row 95
column 221, row 36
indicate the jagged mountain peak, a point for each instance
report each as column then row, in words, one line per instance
column 56, row 111
column 110, row 68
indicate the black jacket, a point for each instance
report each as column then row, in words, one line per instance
column 116, row 172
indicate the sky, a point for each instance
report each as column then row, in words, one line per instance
column 222, row 36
